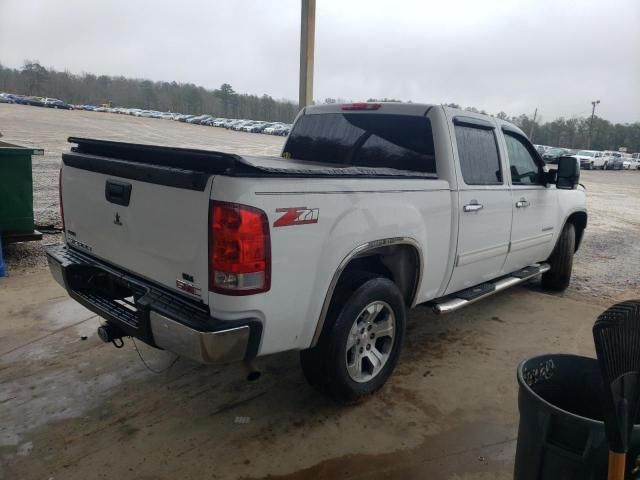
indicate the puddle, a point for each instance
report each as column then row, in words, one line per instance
column 468, row 448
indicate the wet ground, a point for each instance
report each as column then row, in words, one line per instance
column 77, row 409
column 74, row 408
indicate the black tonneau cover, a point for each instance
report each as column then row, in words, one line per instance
column 191, row 168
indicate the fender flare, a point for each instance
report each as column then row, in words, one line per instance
column 354, row 253
column 566, row 220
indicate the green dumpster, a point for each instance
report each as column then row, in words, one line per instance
column 16, row 189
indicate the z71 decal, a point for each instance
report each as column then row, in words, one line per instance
column 296, row 216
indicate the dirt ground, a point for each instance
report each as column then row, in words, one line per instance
column 74, row 408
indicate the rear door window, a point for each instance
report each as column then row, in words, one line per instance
column 403, row 142
column 478, row 153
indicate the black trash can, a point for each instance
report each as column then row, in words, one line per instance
column 561, row 434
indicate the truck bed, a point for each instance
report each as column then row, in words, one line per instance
column 190, row 168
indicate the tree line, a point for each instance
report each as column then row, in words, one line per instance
column 87, row 88
column 575, row 132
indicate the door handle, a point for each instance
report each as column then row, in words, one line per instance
column 522, row 203
column 472, row 207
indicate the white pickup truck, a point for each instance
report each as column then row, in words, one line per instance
column 590, row 159
column 371, row 209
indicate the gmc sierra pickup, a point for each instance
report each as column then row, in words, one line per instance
column 371, row 209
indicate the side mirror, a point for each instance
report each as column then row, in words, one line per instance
column 568, row 174
column 550, row 177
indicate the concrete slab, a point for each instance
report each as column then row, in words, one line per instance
column 73, row 408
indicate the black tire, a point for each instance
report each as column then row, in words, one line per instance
column 591, row 166
column 312, row 359
column 561, row 261
column 325, row 365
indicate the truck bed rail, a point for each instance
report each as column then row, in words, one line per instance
column 190, row 168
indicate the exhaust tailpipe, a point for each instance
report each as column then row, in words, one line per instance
column 253, row 373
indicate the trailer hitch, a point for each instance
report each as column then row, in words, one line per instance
column 109, row 334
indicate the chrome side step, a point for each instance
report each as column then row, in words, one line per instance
column 457, row 300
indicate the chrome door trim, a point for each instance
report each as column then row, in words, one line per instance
column 482, row 254
column 532, row 241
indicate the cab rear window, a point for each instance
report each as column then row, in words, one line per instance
column 402, row 142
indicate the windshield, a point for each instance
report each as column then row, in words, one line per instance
column 360, row 139
column 586, row 153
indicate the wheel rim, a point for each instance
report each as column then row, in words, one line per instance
column 370, row 341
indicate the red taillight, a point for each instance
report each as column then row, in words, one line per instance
column 361, row 106
column 60, row 198
column 239, row 249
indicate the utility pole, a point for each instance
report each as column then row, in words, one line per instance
column 307, row 41
column 593, row 112
column 535, row 114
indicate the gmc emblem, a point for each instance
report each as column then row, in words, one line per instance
column 296, row 216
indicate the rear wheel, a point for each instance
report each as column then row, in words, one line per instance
column 561, row 261
column 360, row 346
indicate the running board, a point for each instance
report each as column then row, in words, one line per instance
column 460, row 299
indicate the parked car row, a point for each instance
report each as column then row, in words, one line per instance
column 592, row 159
column 608, row 160
column 244, row 125
column 33, row 101
column 589, row 159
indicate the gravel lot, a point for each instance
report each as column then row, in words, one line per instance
column 605, row 268
column 49, row 129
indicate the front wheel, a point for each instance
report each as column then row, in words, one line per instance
column 359, row 349
column 561, row 261
column 591, row 166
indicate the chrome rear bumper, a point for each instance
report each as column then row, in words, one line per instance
column 222, row 346
column 158, row 317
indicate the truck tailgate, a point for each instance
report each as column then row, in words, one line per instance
column 159, row 232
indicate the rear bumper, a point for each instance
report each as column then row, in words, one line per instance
column 158, row 317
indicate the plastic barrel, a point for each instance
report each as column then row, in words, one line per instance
column 561, row 435
column 16, row 188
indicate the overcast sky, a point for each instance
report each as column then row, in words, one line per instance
column 557, row 55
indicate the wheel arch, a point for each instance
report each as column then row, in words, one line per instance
column 579, row 221
column 399, row 258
